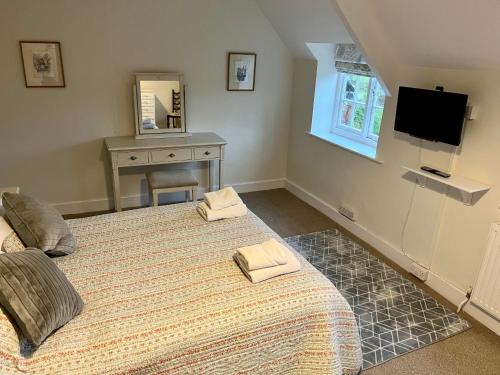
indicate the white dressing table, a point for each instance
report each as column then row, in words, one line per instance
column 131, row 152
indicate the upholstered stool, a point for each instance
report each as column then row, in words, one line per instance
column 169, row 182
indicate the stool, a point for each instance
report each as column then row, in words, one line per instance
column 169, row 182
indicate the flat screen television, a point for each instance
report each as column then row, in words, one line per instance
column 431, row 114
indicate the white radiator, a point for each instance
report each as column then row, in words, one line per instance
column 486, row 294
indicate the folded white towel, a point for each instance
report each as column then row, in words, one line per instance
column 262, row 274
column 267, row 254
column 226, row 213
column 217, row 200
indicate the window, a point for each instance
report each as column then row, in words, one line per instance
column 358, row 108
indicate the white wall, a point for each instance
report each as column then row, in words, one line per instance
column 51, row 140
column 298, row 22
column 371, row 38
column 380, row 193
column 441, row 233
column 458, row 34
column 326, row 82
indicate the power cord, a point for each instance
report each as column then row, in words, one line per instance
column 410, row 206
column 452, row 163
column 467, row 299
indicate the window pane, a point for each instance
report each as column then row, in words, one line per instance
column 359, row 117
column 379, row 102
column 361, row 102
column 350, row 87
column 379, row 95
column 346, row 114
column 377, row 120
column 362, row 89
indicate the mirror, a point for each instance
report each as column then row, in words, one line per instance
column 159, row 100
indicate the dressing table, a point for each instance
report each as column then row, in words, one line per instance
column 159, row 98
column 130, row 152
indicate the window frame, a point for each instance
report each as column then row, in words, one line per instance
column 364, row 135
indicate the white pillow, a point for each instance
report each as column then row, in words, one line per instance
column 9, row 240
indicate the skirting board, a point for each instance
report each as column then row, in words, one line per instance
column 136, row 200
column 435, row 282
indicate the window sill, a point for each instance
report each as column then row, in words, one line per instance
column 354, row 147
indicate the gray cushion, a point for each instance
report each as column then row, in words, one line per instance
column 171, row 179
column 38, row 224
column 36, row 294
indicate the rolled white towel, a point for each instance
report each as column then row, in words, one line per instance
column 256, row 276
column 267, row 254
column 217, row 200
column 225, row 213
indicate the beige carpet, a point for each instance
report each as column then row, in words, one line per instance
column 476, row 351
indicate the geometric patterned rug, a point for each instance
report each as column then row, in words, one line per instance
column 394, row 316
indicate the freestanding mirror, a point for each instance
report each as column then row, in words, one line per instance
column 159, row 105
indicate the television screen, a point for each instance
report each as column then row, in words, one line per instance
column 431, row 114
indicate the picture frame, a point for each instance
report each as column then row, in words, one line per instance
column 42, row 64
column 241, row 71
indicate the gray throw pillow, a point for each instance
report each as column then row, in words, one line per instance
column 38, row 224
column 36, row 294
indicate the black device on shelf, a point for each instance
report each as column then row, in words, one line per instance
column 437, row 172
column 434, row 115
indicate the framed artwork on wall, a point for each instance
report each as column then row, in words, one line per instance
column 241, row 71
column 42, row 63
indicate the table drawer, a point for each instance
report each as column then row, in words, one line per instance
column 133, row 158
column 173, row 155
column 202, row 153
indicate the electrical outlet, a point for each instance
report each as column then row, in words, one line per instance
column 348, row 212
column 420, row 272
column 468, row 292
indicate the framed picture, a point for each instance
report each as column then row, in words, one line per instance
column 241, row 71
column 42, row 64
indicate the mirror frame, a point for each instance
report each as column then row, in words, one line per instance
column 154, row 133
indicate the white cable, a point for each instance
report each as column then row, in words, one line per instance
column 451, row 169
column 468, row 294
column 410, row 208
column 407, row 218
column 462, row 304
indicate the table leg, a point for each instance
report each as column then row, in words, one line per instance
column 210, row 177
column 221, row 174
column 116, row 189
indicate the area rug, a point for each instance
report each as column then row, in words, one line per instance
column 394, row 316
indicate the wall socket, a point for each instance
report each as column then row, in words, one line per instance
column 419, row 271
column 348, row 212
column 471, row 112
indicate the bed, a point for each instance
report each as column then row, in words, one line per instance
column 163, row 295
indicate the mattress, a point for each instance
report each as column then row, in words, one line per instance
column 163, row 295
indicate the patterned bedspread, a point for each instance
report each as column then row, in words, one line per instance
column 163, row 295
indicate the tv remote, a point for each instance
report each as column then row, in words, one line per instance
column 435, row 171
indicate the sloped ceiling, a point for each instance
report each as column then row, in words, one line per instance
column 452, row 34
column 298, row 22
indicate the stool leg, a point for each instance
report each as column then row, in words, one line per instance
column 195, row 195
column 187, row 195
column 155, row 198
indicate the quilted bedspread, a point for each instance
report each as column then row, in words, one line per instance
column 163, row 295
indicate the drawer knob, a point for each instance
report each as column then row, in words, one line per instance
column 133, row 157
column 171, row 155
column 207, row 153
